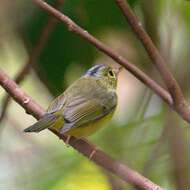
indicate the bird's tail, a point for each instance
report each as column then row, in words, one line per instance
column 45, row 122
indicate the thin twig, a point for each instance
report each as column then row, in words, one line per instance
column 34, row 55
column 6, row 100
column 152, row 51
column 180, row 104
column 100, row 158
column 182, row 108
column 73, row 27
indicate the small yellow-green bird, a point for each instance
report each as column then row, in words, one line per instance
column 85, row 106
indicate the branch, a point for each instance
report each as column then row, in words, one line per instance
column 82, row 146
column 73, row 27
column 6, row 100
column 179, row 103
column 182, row 109
column 46, row 32
column 152, row 51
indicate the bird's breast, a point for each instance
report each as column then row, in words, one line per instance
column 90, row 128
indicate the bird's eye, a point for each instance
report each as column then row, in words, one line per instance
column 111, row 74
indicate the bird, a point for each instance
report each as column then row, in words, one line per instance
column 85, row 106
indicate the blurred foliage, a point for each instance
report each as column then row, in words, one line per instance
column 137, row 135
column 64, row 48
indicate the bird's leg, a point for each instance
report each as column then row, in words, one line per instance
column 92, row 153
column 67, row 140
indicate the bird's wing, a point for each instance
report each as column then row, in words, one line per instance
column 46, row 121
column 81, row 104
column 71, row 94
column 82, row 112
column 57, row 104
column 53, row 113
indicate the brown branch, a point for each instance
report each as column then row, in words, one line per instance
column 152, row 51
column 180, row 104
column 34, row 55
column 73, row 27
column 100, row 158
column 182, row 108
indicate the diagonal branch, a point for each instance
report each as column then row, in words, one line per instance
column 46, row 32
column 73, row 27
column 82, row 146
column 182, row 109
column 153, row 52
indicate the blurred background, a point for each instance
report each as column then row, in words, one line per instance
column 45, row 58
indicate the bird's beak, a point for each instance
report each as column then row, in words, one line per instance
column 117, row 70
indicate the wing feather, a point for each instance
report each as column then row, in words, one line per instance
column 79, row 106
column 57, row 104
column 83, row 113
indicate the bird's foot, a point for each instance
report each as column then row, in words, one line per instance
column 67, row 140
column 92, row 153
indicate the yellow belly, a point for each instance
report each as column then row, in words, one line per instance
column 86, row 130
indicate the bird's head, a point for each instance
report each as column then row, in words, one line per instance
column 105, row 73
